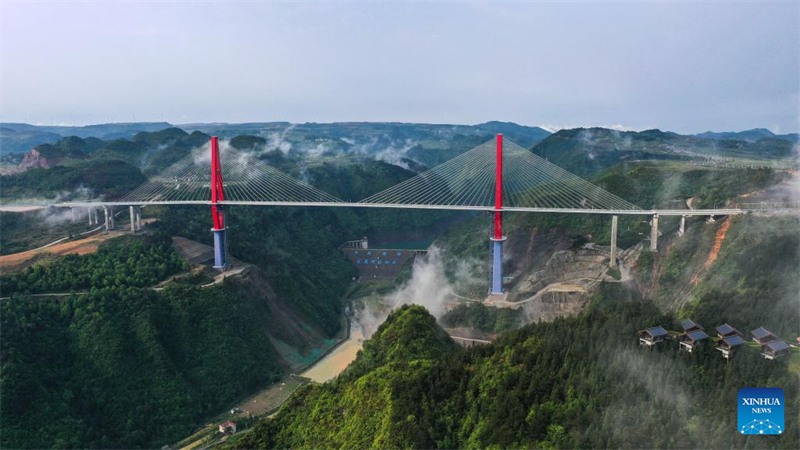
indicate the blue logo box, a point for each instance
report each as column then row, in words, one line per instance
column 761, row 411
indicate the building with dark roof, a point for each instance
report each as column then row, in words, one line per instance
column 690, row 325
column 775, row 349
column 762, row 335
column 652, row 336
column 726, row 330
column 729, row 344
column 690, row 340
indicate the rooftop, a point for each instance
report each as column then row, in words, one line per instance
column 726, row 329
column 689, row 324
column 656, row 331
column 761, row 333
column 733, row 341
column 697, row 335
column 777, row 346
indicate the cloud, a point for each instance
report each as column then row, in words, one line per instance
column 429, row 286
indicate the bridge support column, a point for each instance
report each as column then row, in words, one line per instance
column 682, row 227
column 139, row 218
column 497, row 265
column 217, row 213
column 91, row 222
column 613, row 261
column 132, row 210
column 497, row 233
column 711, row 219
column 220, row 250
column 96, row 217
column 74, row 215
column 654, row 235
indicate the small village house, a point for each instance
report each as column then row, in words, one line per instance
column 726, row 330
column 775, row 349
column 729, row 344
column 652, row 336
column 761, row 335
column 690, row 340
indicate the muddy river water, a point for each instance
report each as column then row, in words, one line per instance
column 336, row 361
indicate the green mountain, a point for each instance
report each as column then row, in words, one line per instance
column 749, row 135
column 83, row 180
column 118, row 364
column 22, row 137
column 581, row 382
column 425, row 144
column 586, row 150
column 379, row 402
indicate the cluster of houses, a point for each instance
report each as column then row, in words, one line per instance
column 728, row 340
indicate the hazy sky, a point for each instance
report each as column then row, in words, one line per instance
column 686, row 67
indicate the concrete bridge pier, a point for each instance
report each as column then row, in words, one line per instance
column 96, row 218
column 613, row 261
column 91, row 221
column 139, row 218
column 109, row 217
column 74, row 215
column 654, row 234
column 682, row 227
column 134, row 211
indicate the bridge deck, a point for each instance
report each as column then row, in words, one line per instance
column 616, row 212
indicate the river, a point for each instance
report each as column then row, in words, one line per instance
column 336, row 361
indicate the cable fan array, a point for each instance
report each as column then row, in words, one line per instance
column 245, row 179
column 529, row 181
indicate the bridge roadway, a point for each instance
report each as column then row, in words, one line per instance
column 612, row 212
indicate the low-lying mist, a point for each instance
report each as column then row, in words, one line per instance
column 428, row 286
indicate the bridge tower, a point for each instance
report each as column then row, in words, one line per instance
column 218, row 195
column 497, row 237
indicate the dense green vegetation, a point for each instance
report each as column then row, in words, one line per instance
column 110, row 178
column 574, row 383
column 117, row 264
column 25, row 231
column 664, row 185
column 669, row 185
column 482, row 317
column 124, row 367
column 584, row 151
column 754, row 279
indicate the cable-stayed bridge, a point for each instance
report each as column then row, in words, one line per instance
column 497, row 176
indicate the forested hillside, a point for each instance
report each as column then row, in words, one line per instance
column 657, row 185
column 584, row 151
column 85, row 180
column 574, row 383
column 123, row 365
column 583, row 382
column 118, row 264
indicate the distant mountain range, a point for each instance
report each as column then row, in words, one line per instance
column 393, row 140
column 21, row 137
column 584, row 151
column 749, row 135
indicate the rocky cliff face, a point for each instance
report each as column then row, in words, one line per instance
column 34, row 159
column 585, row 263
column 563, row 286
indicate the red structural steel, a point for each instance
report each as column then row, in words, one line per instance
column 498, row 191
column 217, row 191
